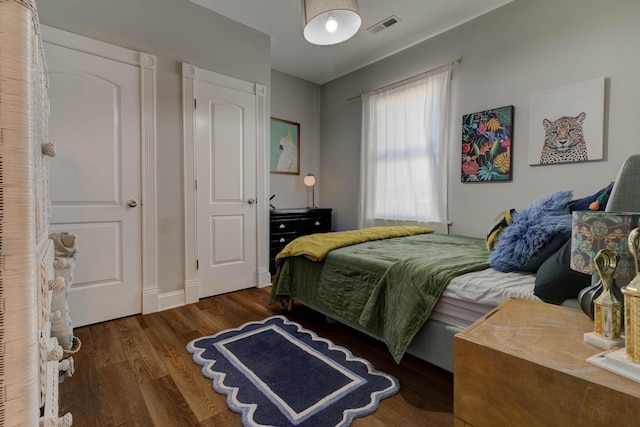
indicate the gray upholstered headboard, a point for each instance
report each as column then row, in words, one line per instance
column 625, row 196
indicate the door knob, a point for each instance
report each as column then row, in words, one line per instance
column 132, row 203
column 251, row 200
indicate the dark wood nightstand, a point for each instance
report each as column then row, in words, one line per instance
column 287, row 224
column 524, row 364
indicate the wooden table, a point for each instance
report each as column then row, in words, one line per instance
column 524, row 364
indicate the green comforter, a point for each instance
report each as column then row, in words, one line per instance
column 388, row 287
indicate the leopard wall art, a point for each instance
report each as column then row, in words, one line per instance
column 564, row 140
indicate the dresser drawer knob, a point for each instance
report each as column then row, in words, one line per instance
column 281, row 226
column 281, row 239
column 317, row 223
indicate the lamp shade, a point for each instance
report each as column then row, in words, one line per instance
column 592, row 231
column 309, row 180
column 328, row 22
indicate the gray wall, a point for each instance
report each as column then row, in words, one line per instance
column 523, row 47
column 298, row 101
column 507, row 54
column 180, row 31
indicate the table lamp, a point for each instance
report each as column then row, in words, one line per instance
column 310, row 181
column 593, row 231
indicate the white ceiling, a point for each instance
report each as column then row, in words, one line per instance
column 292, row 54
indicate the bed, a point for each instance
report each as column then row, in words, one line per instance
column 416, row 289
column 343, row 283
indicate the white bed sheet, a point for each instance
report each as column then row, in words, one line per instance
column 472, row 295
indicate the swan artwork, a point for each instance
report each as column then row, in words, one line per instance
column 288, row 160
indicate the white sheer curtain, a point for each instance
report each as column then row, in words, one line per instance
column 403, row 166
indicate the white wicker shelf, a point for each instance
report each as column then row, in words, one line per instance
column 28, row 355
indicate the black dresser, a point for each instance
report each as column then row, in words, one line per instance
column 287, row 224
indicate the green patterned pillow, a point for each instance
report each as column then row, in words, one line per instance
column 501, row 222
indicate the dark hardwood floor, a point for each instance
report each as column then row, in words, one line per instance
column 135, row 371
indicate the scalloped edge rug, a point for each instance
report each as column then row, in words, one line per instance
column 275, row 372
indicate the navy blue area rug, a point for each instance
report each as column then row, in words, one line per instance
column 276, row 373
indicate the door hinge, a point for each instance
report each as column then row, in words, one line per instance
column 196, row 185
column 195, row 104
column 197, row 264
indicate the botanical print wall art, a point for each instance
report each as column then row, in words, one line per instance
column 487, row 138
column 566, row 123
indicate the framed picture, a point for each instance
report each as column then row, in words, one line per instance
column 285, row 147
column 566, row 123
column 487, row 141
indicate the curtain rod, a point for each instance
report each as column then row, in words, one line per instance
column 456, row 62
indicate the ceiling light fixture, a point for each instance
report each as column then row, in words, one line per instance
column 328, row 22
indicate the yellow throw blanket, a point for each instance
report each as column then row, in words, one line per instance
column 317, row 246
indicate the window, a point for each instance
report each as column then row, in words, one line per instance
column 404, row 153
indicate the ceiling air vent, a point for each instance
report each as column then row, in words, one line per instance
column 383, row 25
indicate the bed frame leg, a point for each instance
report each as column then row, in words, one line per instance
column 290, row 304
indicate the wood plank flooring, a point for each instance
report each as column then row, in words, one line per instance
column 135, row 371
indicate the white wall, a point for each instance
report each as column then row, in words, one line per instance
column 523, row 47
column 298, row 101
column 174, row 31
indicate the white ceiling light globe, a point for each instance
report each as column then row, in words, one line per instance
column 332, row 24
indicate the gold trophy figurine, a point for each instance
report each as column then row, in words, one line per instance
column 632, row 304
column 607, row 309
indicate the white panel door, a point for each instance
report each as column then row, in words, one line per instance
column 226, row 188
column 95, row 179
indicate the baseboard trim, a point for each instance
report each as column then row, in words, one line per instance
column 149, row 300
column 170, row 300
column 264, row 277
column 192, row 291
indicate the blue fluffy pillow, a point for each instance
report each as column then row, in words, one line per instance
column 531, row 230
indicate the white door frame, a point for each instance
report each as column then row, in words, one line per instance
column 190, row 74
column 147, row 64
